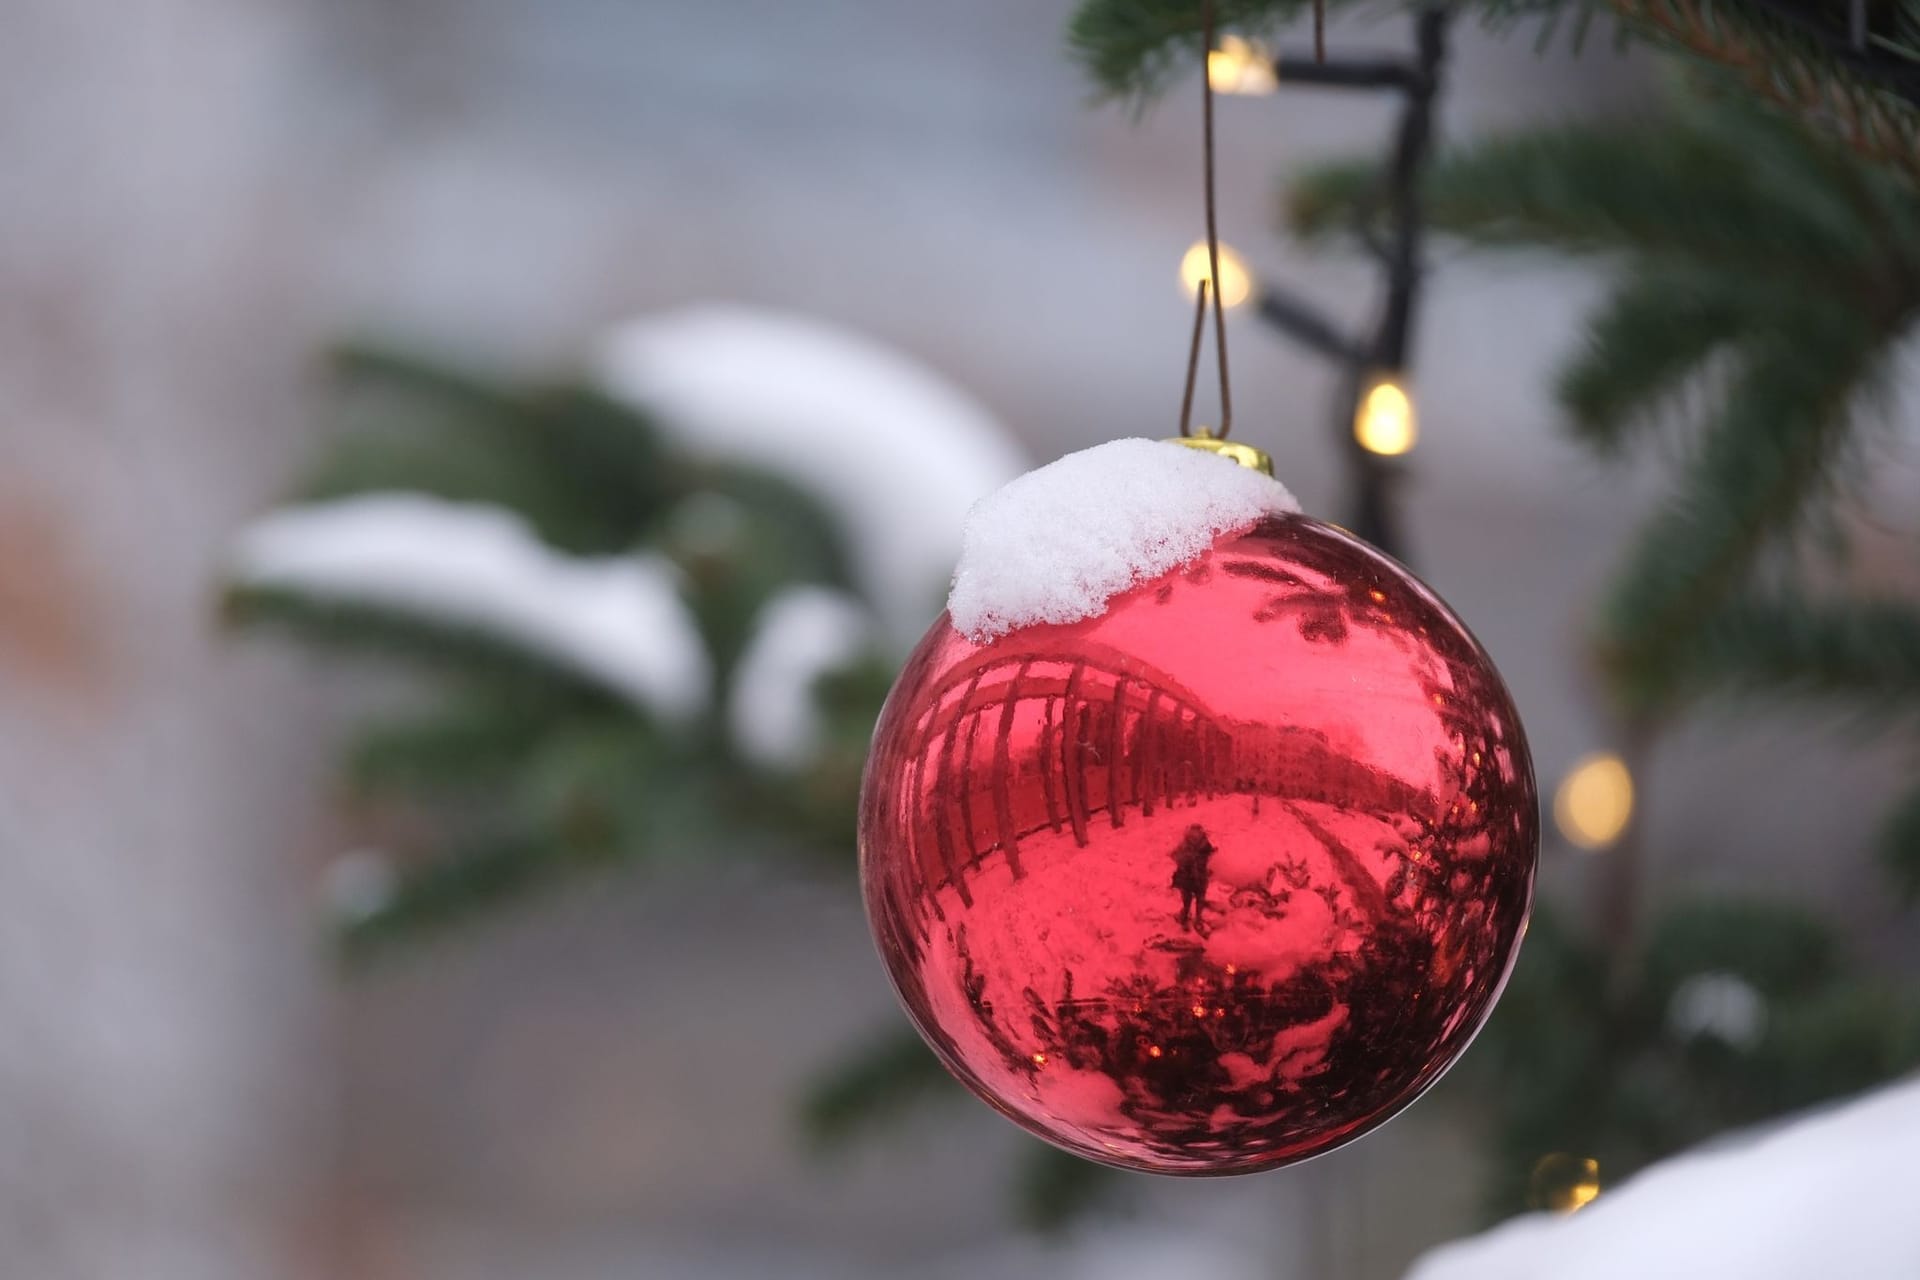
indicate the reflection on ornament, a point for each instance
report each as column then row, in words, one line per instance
column 1241, row 66
column 1562, row 1183
column 1594, row 801
column 1218, row 879
column 1385, row 422
column 1236, row 284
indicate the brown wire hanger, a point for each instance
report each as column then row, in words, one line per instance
column 1213, row 255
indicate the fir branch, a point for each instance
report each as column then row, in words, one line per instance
column 619, row 786
column 1054, row 1188
column 872, row 1086
column 1865, row 653
column 1333, row 199
column 613, row 458
column 478, row 657
column 593, row 793
column 1900, row 844
column 1781, row 950
column 457, row 887
column 584, row 469
column 472, row 742
column 1768, row 58
column 459, row 463
column 1845, row 1041
column 1132, row 48
column 1779, row 435
column 370, row 361
column 1668, row 190
column 1648, row 341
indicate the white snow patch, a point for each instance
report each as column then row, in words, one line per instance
column 895, row 451
column 1722, row 1006
column 1058, row 543
column 801, row 634
column 359, row 885
column 618, row 620
column 1827, row 1195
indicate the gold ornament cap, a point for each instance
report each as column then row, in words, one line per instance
column 1244, row 454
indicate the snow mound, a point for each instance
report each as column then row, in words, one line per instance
column 1058, row 543
column 801, row 634
column 896, row 452
column 618, row 620
column 1827, row 1195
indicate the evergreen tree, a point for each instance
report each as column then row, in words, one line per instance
column 1764, row 279
column 522, row 767
column 1763, row 238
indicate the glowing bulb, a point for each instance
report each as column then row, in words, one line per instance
column 1235, row 283
column 1595, row 801
column 1241, row 66
column 1563, row 1183
column 1384, row 423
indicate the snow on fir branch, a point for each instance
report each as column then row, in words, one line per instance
column 896, row 451
column 618, row 620
column 801, row 634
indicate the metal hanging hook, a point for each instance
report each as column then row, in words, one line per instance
column 1211, row 285
column 1193, row 359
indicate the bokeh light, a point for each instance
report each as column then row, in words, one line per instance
column 1595, row 801
column 1384, row 423
column 1236, row 285
column 1561, row 1183
column 1241, row 66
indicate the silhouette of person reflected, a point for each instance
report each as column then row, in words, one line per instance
column 1191, row 875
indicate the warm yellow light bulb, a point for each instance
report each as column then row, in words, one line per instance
column 1235, row 283
column 1595, row 801
column 1562, row 1183
column 1385, row 422
column 1241, row 66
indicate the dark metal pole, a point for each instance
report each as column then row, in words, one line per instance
column 1373, row 511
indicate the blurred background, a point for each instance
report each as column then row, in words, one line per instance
column 371, row 911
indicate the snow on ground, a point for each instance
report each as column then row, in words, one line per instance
column 892, row 448
column 801, row 634
column 1060, row 542
column 1828, row 1195
column 618, row 620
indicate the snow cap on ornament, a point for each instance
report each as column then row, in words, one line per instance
column 1058, row 543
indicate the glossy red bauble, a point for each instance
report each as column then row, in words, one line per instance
column 1217, row 880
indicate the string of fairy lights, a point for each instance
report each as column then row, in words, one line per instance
column 1593, row 805
column 1375, row 414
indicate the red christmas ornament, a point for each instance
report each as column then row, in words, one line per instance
column 1218, row 879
